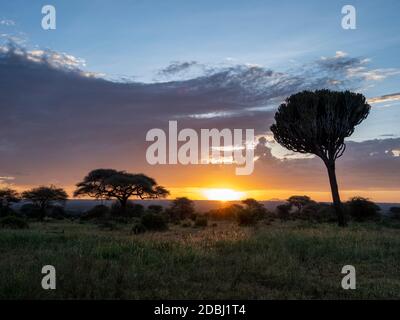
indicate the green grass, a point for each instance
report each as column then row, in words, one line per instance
column 280, row 261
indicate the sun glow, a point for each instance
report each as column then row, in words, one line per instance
column 223, row 194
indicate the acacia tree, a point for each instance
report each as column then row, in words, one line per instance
column 44, row 197
column 121, row 185
column 8, row 196
column 299, row 201
column 317, row 123
column 181, row 208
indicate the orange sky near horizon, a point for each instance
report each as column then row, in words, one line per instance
column 206, row 193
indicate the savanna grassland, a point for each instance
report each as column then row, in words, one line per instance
column 292, row 260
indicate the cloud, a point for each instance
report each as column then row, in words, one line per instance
column 177, row 67
column 372, row 75
column 13, row 52
column 341, row 66
column 57, row 119
column 385, row 98
column 7, row 22
column 6, row 180
column 368, row 164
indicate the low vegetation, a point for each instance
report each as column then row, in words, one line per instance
column 291, row 260
column 239, row 251
column 13, row 222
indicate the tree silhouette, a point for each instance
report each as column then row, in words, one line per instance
column 45, row 197
column 7, row 196
column 120, row 185
column 181, row 208
column 318, row 122
column 299, row 201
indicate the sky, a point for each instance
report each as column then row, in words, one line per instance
column 84, row 95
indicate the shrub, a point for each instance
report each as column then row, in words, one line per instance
column 7, row 211
column 318, row 212
column 30, row 210
column 154, row 221
column 132, row 210
column 300, row 202
column 362, row 209
column 256, row 208
column 155, row 208
column 97, row 212
column 57, row 212
column 247, row 217
column 283, row 211
column 13, row 222
column 138, row 227
column 395, row 212
column 226, row 213
column 186, row 223
column 201, row 221
column 326, row 213
column 180, row 209
column 107, row 225
column 135, row 210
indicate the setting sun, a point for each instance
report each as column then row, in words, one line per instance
column 223, row 194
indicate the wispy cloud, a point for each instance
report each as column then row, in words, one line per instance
column 344, row 69
column 177, row 67
column 385, row 98
column 7, row 22
column 6, row 180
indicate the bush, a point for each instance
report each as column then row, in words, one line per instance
column 362, row 209
column 300, row 202
column 57, row 212
column 395, row 212
column 201, row 221
column 13, row 222
column 30, row 210
column 227, row 213
column 7, row 211
column 186, row 223
column 138, row 227
column 154, row 221
column 257, row 209
column 247, row 217
column 326, row 213
column 108, row 225
column 180, row 209
column 132, row 210
column 97, row 212
column 155, row 208
column 283, row 211
column 318, row 212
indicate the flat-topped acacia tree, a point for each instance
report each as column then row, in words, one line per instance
column 317, row 122
column 120, row 185
column 44, row 197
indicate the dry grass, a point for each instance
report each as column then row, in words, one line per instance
column 284, row 261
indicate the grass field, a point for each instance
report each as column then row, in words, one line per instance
column 280, row 261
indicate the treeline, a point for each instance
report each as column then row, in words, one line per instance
column 47, row 204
